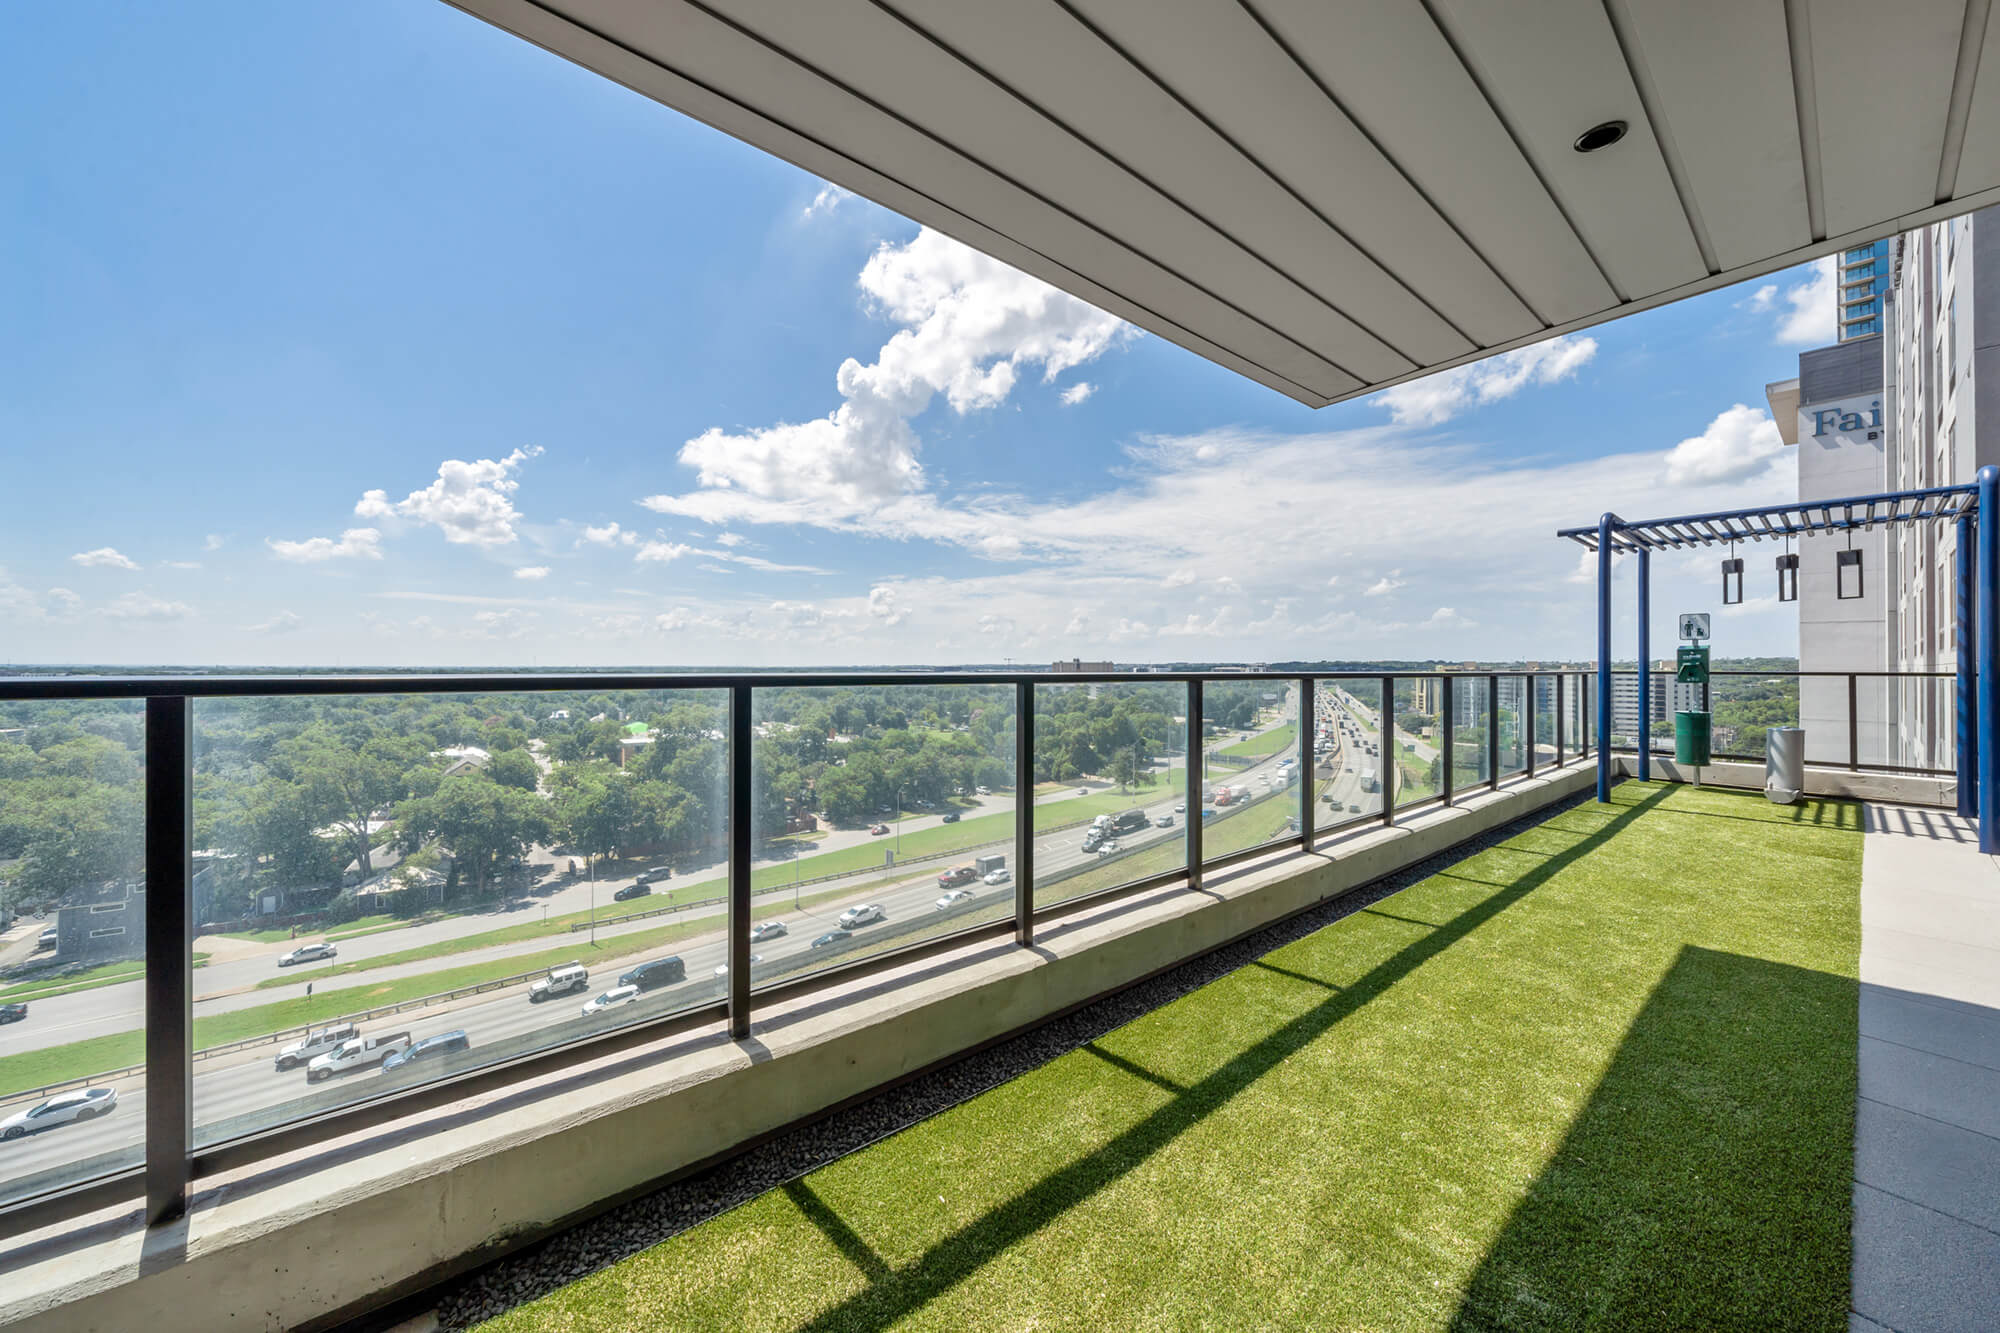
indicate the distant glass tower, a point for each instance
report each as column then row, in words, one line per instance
column 1863, row 277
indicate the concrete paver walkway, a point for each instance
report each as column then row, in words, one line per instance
column 1927, row 1121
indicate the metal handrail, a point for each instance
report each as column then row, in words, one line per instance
column 173, row 1161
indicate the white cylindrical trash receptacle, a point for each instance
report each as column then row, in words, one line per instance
column 1785, row 764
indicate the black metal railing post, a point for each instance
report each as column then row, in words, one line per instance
column 1446, row 714
column 1385, row 731
column 1197, row 761
column 1493, row 731
column 1024, row 813
column 1308, row 725
column 740, row 843
column 169, row 833
column 1853, row 724
column 1528, row 683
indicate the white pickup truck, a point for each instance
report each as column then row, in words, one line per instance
column 316, row 1043
column 357, row 1053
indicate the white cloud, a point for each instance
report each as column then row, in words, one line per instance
column 1764, row 298
column 1741, row 442
column 969, row 327
column 354, row 544
column 1333, row 580
column 1807, row 316
column 661, row 552
column 65, row 599
column 180, row 564
column 1180, row 578
column 1079, row 622
column 284, row 622
column 1077, row 392
column 1388, row 583
column 471, row 503
column 212, row 542
column 992, row 624
column 729, row 538
column 1447, row 618
column 145, row 606
column 509, row 624
column 608, row 535
column 882, row 605
column 532, row 572
column 104, row 557
column 826, row 201
column 1438, row 398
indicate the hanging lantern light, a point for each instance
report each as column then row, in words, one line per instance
column 1732, row 578
column 1847, row 573
column 1788, row 574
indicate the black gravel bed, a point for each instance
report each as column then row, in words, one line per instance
column 551, row 1264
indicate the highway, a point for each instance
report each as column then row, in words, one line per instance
column 242, row 1092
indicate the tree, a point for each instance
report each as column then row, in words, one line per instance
column 514, row 768
column 480, row 822
column 598, row 811
column 1125, row 767
column 344, row 785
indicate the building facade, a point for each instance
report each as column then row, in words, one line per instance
column 1837, row 416
column 1861, row 276
column 1941, row 318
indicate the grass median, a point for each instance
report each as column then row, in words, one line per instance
column 1275, row 740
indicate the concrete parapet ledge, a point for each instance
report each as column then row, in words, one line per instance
column 1844, row 783
column 310, row 1239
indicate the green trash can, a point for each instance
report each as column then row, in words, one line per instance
column 1691, row 738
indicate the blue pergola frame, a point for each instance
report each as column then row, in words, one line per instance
column 1976, row 511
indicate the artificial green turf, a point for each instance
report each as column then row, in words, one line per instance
column 1602, row 1075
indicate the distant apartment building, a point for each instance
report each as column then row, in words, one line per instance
column 1468, row 697
column 1861, row 276
column 1625, row 703
column 1076, row 666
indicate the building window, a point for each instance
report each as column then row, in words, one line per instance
column 107, row 907
column 107, row 930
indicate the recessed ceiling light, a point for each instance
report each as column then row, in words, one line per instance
column 1600, row 136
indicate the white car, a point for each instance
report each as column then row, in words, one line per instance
column 356, row 1053
column 723, row 969
column 1000, row 876
column 862, row 915
column 611, row 999
column 1107, row 848
column 1164, row 821
column 768, row 930
column 953, row 899
column 308, row 953
column 65, row 1108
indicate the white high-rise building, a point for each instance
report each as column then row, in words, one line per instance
column 1941, row 315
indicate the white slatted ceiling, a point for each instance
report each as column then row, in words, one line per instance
column 1330, row 195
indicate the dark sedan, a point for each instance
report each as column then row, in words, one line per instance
column 631, row 891
column 832, row 937
column 13, row 1013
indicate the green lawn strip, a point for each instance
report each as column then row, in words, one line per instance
column 76, row 1059
column 111, row 974
column 1572, row 1081
column 1275, row 740
column 396, row 923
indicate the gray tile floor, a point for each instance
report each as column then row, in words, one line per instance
column 1927, row 1122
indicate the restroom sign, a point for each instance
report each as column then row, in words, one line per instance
column 1694, row 626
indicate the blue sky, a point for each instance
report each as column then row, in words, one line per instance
column 344, row 334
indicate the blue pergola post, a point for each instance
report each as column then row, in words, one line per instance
column 1989, row 658
column 1605, row 526
column 1645, row 665
column 1965, row 706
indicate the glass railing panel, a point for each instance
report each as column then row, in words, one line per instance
column 1253, row 755
column 1470, row 758
column 1743, row 707
column 72, row 951
column 884, row 817
column 1417, row 739
column 1350, row 771
column 1512, row 717
column 1542, row 689
column 1110, row 783
column 404, row 887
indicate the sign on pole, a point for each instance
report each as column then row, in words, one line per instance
column 1694, row 625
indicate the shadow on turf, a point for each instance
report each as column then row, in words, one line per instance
column 893, row 1296
column 1708, row 1182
